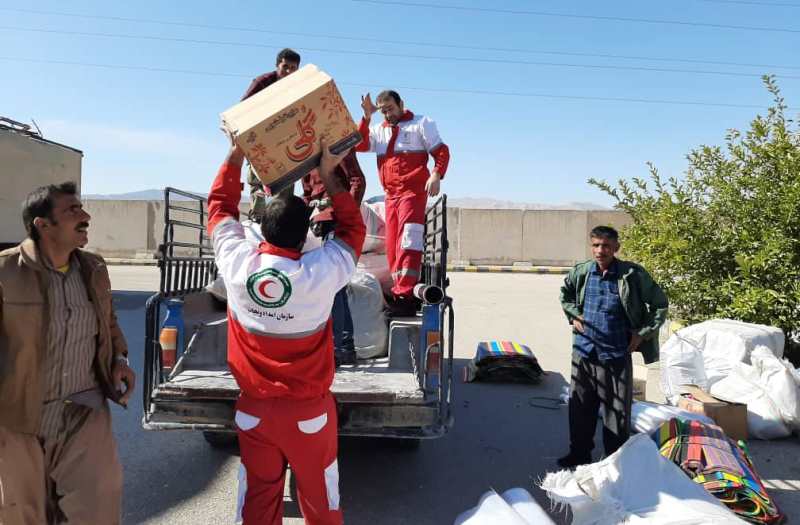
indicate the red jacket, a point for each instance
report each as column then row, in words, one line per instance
column 403, row 151
column 280, row 341
column 349, row 174
column 261, row 82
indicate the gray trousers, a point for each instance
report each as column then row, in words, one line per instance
column 594, row 384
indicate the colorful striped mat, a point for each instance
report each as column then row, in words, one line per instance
column 501, row 348
column 503, row 361
column 721, row 465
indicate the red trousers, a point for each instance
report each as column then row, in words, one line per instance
column 300, row 433
column 405, row 226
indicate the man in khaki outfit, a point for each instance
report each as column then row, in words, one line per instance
column 62, row 355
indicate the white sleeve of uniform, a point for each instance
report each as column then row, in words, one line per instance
column 373, row 134
column 231, row 248
column 331, row 266
column 430, row 134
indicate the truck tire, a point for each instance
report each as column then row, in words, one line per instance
column 221, row 440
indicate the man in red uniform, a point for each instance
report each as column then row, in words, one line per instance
column 323, row 223
column 403, row 142
column 279, row 340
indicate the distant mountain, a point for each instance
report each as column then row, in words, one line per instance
column 494, row 204
column 144, row 195
column 463, row 202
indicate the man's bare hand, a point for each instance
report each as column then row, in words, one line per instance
column 432, row 184
column 122, row 373
column 329, row 160
column 577, row 323
column 235, row 155
column 368, row 107
column 636, row 341
column 327, row 167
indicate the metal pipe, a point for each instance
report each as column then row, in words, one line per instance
column 429, row 293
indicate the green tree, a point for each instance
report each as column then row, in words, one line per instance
column 724, row 241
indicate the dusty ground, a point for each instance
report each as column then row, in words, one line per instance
column 499, row 440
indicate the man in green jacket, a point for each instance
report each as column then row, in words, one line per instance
column 615, row 308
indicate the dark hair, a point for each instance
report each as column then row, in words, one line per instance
column 607, row 232
column 39, row 203
column 285, row 220
column 389, row 93
column 289, row 55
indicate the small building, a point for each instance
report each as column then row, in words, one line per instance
column 28, row 161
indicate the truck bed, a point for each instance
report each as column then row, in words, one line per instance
column 370, row 381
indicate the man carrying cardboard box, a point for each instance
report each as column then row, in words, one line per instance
column 403, row 142
column 286, row 63
column 615, row 308
column 279, row 340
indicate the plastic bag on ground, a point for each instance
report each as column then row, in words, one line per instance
column 768, row 389
column 705, row 353
column 376, row 265
column 365, row 298
column 647, row 417
column 514, row 507
column 635, row 485
column 374, row 219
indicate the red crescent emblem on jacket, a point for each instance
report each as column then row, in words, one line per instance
column 262, row 288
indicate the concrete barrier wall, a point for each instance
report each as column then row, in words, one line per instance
column 120, row 228
column 134, row 229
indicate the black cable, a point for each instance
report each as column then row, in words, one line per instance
column 612, row 67
column 579, row 17
column 411, row 88
column 750, row 2
column 401, row 42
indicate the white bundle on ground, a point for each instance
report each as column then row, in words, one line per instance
column 514, row 507
column 705, row 353
column 647, row 417
column 365, row 298
column 376, row 265
column 771, row 391
column 374, row 219
column 635, row 485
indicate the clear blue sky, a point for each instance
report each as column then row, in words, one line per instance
column 148, row 129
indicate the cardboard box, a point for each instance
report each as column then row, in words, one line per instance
column 731, row 417
column 279, row 128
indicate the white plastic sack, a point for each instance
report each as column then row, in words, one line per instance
column 705, row 353
column 647, row 417
column 635, row 485
column 377, row 266
column 784, row 391
column 515, row 507
column 365, row 298
column 768, row 389
column 374, row 219
column 764, row 419
column 681, row 364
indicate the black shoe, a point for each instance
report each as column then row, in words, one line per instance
column 345, row 357
column 403, row 307
column 572, row 460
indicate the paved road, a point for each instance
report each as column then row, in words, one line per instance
column 498, row 440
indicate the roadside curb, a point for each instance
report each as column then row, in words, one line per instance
column 541, row 270
column 111, row 261
column 552, row 270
